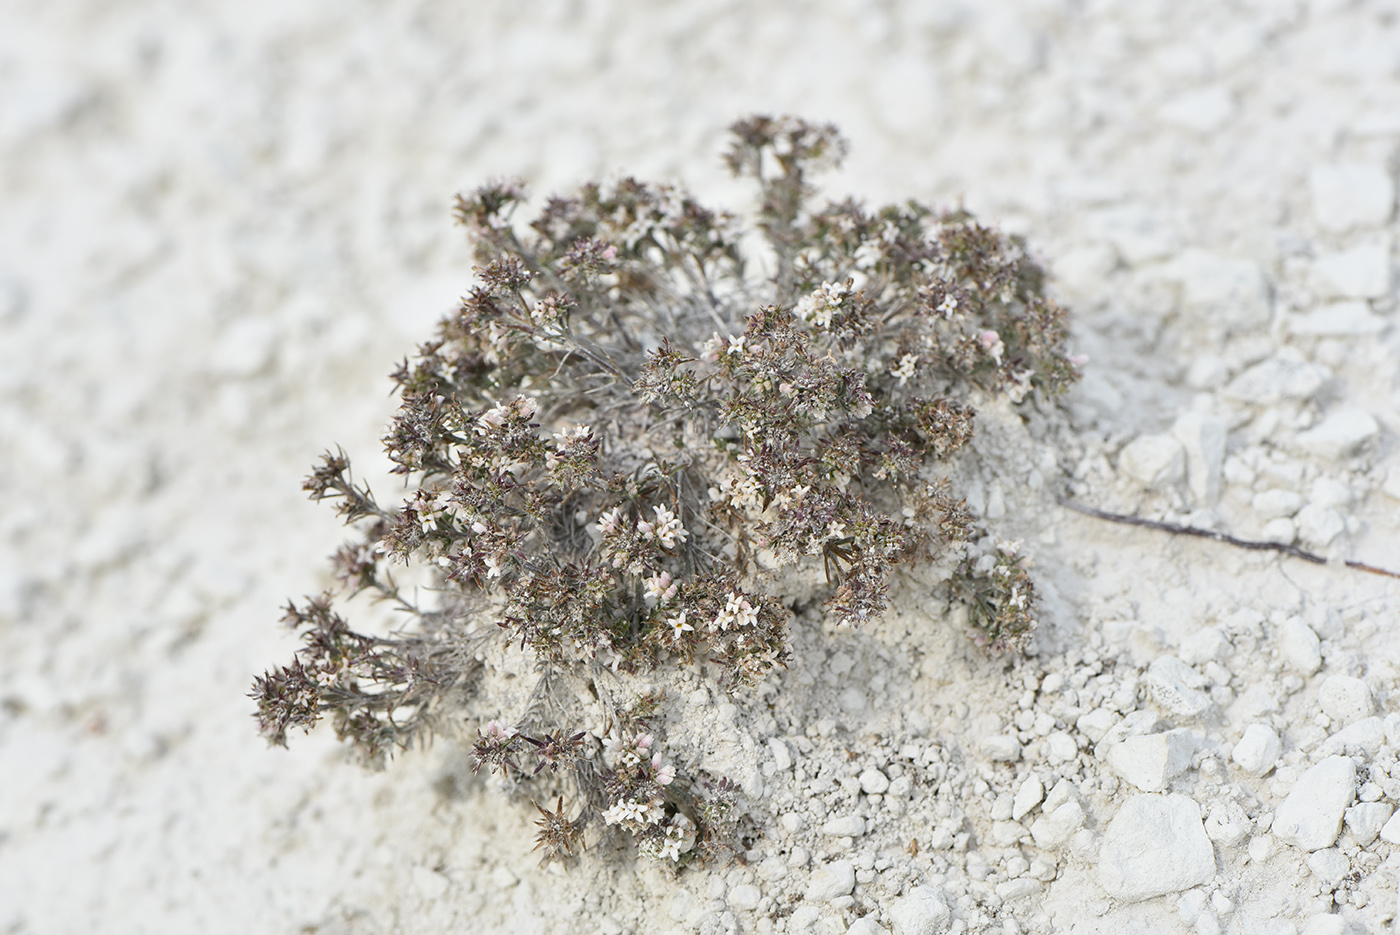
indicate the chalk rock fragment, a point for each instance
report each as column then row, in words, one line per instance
column 1361, row 272
column 1347, row 318
column 1202, row 439
column 1311, row 817
column 1176, row 687
column 1276, row 504
column 1153, row 761
column 921, row 911
column 1028, row 796
column 1096, row 723
column 1230, row 290
column 1366, row 820
column 1341, row 434
column 1364, row 737
column 1227, row 824
column 1390, row 831
column 832, row 881
column 1329, row 865
column 1258, row 749
column 1319, row 525
column 745, row 896
column 873, row 782
column 1286, row 375
column 1002, row 748
column 1155, row 461
column 1155, row 845
column 1299, row 645
column 866, row 925
column 1205, row 645
column 852, row 826
column 1351, row 195
column 1054, row 827
column 1326, row 924
column 1345, row 698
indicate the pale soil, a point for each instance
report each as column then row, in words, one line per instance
column 222, row 226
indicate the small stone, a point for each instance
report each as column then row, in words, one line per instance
column 1341, row 434
column 1203, row 110
column 1284, row 376
column 792, row 822
column 1176, row 687
column 1279, row 530
column 1028, row 796
column 1272, row 504
column 803, row 918
column 834, row 880
column 1311, row 817
column 1329, row 865
column 1205, row 645
column 846, row 826
column 771, row 868
column 867, row 926
column 1007, row 833
column 1096, row 723
column 1002, row 748
column 782, row 756
column 1325, row 924
column 1365, row 737
column 1060, row 748
column 745, row 896
column 1155, row 845
column 1258, row 749
column 1319, row 525
column 1042, row 869
column 1350, row 195
column 1151, row 762
column 1053, row 828
column 1366, row 820
column 1155, row 461
column 873, row 782
column 1017, row 889
column 1347, row 318
column 1202, row 439
column 1361, row 272
column 921, row 911
column 1390, row 831
column 1345, row 698
column 1299, row 645
column 1227, row 824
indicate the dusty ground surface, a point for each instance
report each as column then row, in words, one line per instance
column 222, row 224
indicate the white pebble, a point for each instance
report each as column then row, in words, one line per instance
column 1272, row 504
column 792, row 822
column 832, row 881
column 873, row 782
column 782, row 756
column 1325, row 924
column 1227, row 824
column 1054, row 827
column 1258, row 749
column 1002, row 748
column 1028, row 796
column 1155, row 845
column 1366, row 820
column 1154, row 461
column 1176, row 687
column 1364, row 737
column 846, row 826
column 1060, row 748
column 1390, row 831
column 1350, row 195
column 1319, row 525
column 921, row 911
column 1345, row 698
column 1284, row 376
column 867, row 926
column 1329, row 865
column 1311, row 817
column 1341, row 434
column 1347, row 318
column 1202, row 438
column 1153, row 761
column 1205, row 645
column 1096, row 723
column 745, row 896
column 1299, row 645
column 1017, row 889
column 1361, row 272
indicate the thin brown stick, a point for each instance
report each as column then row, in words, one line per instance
column 1251, row 544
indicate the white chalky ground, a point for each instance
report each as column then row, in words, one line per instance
column 221, row 227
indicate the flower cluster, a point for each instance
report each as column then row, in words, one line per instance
column 622, row 438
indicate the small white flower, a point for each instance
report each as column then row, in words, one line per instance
column 662, row 770
column 905, row 370
column 658, row 589
column 736, row 345
column 948, row 306
column 493, row 567
column 991, row 342
column 668, row 528
column 608, row 522
column 679, row 626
